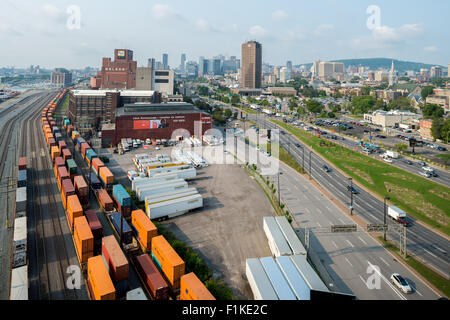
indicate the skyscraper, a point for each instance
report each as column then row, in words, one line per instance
column 165, row 61
column 251, row 65
column 289, row 66
column 183, row 61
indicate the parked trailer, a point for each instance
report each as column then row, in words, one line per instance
column 140, row 182
column 277, row 243
column 19, row 284
column 161, row 187
column 173, row 208
column 171, row 195
column 290, row 236
column 186, row 174
column 259, row 281
column 308, row 273
column 276, row 278
column 150, row 276
column 153, row 172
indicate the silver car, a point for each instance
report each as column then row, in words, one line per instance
column 401, row 283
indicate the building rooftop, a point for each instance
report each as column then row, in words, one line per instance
column 156, row 109
column 123, row 93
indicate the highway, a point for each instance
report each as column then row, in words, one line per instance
column 424, row 244
column 347, row 256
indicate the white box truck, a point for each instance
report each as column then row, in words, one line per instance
column 397, row 214
column 392, row 154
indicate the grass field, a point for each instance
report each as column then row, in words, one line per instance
column 445, row 157
column 437, row 280
column 62, row 110
column 423, row 199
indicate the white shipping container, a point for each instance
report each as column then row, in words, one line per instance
column 175, row 207
column 290, row 236
column 396, row 213
column 20, row 234
column 152, row 184
column 279, row 283
column 142, row 183
column 19, row 284
column 259, row 282
column 277, row 243
column 310, row 276
column 294, row 278
column 153, row 172
column 21, row 199
column 170, row 196
column 162, row 189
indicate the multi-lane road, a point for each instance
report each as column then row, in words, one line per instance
column 426, row 245
column 350, row 259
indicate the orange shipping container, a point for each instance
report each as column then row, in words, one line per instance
column 99, row 280
column 83, row 238
column 74, row 209
column 81, row 187
column 168, row 260
column 114, row 258
column 106, row 175
column 55, row 153
column 145, row 228
column 191, row 288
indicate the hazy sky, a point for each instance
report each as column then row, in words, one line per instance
column 36, row 32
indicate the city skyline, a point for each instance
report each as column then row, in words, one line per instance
column 299, row 32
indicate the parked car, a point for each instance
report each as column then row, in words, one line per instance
column 401, row 283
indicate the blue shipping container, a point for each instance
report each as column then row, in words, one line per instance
column 121, row 195
column 90, row 154
column 127, row 237
column 22, row 179
column 95, row 183
column 80, row 141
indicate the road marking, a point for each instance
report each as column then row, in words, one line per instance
column 362, row 279
column 348, row 262
column 320, row 211
column 342, row 221
column 429, row 252
column 384, row 261
column 362, row 241
column 418, row 292
column 334, row 244
column 387, row 281
column 442, row 250
column 319, row 225
column 350, row 243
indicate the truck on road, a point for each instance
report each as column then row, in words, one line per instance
column 398, row 215
column 392, row 154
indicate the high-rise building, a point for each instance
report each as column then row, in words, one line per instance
column 151, row 63
column 61, row 77
column 217, row 66
column 165, row 61
column 436, row 72
column 325, row 70
column 285, row 76
column 424, row 72
column 183, row 61
column 117, row 74
column 251, row 65
column 371, row 76
column 201, row 66
column 392, row 77
column 289, row 66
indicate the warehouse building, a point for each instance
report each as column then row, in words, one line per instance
column 172, row 120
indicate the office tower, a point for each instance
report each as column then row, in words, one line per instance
column 201, row 68
column 284, row 75
column 289, row 66
column 251, row 65
column 165, row 61
column 151, row 63
column 436, row 72
column 183, row 61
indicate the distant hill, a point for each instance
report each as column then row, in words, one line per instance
column 384, row 63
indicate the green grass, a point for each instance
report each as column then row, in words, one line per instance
column 423, row 199
column 285, row 157
column 437, row 280
column 63, row 107
column 445, row 157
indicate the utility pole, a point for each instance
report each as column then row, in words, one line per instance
column 385, row 212
column 351, row 196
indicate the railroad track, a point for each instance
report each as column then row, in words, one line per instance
column 49, row 251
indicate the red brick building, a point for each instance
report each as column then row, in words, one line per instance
column 425, row 129
column 117, row 74
column 156, row 121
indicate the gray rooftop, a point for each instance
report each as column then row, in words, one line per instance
column 156, row 109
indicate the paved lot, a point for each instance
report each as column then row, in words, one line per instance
column 228, row 229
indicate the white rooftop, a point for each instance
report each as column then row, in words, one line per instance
column 101, row 93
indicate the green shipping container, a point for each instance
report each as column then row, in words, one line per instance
column 71, row 166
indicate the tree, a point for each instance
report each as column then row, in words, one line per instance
column 235, row 99
column 265, row 103
column 228, row 113
column 402, row 103
column 365, row 91
column 203, row 91
column 401, row 147
column 314, row 106
column 426, row 91
column 445, row 131
column 431, row 110
column 436, row 129
column 362, row 104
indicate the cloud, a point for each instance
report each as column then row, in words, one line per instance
column 6, row 30
column 322, row 29
column 52, row 12
column 204, row 26
column 293, row 35
column 162, row 11
column 279, row 15
column 257, row 31
column 431, row 49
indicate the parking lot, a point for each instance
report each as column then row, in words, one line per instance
column 228, row 229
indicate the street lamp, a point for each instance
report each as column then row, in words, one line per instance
column 385, row 207
column 351, row 195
